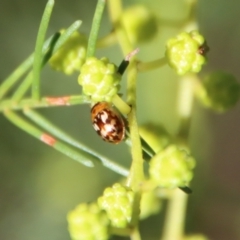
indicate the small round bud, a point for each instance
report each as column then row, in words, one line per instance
column 139, row 23
column 171, row 167
column 219, row 91
column 117, row 201
column 186, row 52
column 88, row 222
column 71, row 55
column 150, row 204
column 99, row 79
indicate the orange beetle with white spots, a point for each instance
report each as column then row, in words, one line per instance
column 108, row 123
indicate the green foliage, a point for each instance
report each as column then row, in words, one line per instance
column 117, row 201
column 219, row 91
column 99, row 79
column 71, row 56
column 169, row 167
column 183, row 52
column 88, row 222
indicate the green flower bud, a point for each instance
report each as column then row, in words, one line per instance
column 117, row 201
column 71, row 55
column 88, row 222
column 195, row 237
column 155, row 135
column 185, row 53
column 99, row 79
column 139, row 23
column 219, row 91
column 171, row 167
column 150, row 204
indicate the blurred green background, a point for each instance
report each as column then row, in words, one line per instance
column 38, row 185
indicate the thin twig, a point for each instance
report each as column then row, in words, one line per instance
column 38, row 49
column 95, row 28
column 82, row 157
column 60, row 134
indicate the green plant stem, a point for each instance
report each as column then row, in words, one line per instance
column 115, row 11
column 174, row 227
column 44, row 102
column 83, row 157
column 147, row 66
column 187, row 86
column 37, row 64
column 192, row 11
column 185, row 103
column 122, row 106
column 135, row 234
column 26, row 84
column 95, row 27
column 147, row 151
column 25, row 66
column 16, row 75
column 136, row 175
column 175, row 218
column 55, row 44
column 21, row 70
column 48, row 54
column 67, row 33
column 51, row 128
column 59, row 40
column 22, row 89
